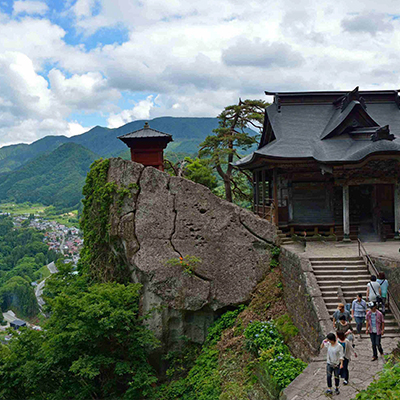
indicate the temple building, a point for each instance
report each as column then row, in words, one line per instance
column 329, row 163
column 147, row 146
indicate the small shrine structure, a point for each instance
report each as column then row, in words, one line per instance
column 147, row 146
column 329, row 163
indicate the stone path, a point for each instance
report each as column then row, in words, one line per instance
column 339, row 249
column 311, row 384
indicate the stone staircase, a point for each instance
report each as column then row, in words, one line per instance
column 352, row 275
column 284, row 238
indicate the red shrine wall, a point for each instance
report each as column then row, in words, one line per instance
column 149, row 157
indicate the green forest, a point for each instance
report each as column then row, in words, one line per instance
column 22, row 255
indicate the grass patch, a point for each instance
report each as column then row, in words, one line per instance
column 69, row 219
column 42, row 273
column 23, row 208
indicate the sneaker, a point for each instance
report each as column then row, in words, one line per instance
column 328, row 391
column 374, row 358
column 345, row 382
column 337, row 391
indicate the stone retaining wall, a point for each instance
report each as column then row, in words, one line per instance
column 304, row 298
column 391, row 268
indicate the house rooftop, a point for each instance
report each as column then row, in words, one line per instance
column 329, row 127
column 145, row 133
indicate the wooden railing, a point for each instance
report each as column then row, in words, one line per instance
column 265, row 210
column 362, row 252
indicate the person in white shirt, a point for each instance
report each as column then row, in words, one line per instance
column 334, row 360
column 373, row 289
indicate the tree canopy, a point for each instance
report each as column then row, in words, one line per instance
column 230, row 139
column 93, row 346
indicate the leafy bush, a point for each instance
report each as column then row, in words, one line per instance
column 187, row 263
column 100, row 255
column 275, row 252
column 267, row 343
column 386, row 387
column 286, row 327
column 93, row 346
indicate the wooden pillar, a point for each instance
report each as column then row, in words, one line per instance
column 276, row 206
column 254, row 192
column 263, row 191
column 346, row 214
column 397, row 210
column 257, row 191
column 290, row 200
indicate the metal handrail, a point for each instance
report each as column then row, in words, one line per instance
column 362, row 252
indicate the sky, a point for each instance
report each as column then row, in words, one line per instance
column 66, row 66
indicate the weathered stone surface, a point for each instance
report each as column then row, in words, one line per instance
column 168, row 217
column 303, row 298
column 391, row 268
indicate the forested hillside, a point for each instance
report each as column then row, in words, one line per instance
column 188, row 133
column 51, row 179
column 22, row 254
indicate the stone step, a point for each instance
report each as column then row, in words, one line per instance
column 342, row 278
column 340, row 268
column 348, row 292
column 348, row 298
column 343, row 273
column 355, row 258
column 344, row 284
column 337, row 263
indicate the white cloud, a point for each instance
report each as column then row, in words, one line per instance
column 88, row 91
column 83, row 8
column 261, row 54
column 30, row 7
column 368, row 23
column 141, row 110
column 193, row 59
column 75, row 128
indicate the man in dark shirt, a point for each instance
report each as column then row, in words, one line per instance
column 338, row 313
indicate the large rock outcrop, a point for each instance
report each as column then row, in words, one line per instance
column 167, row 217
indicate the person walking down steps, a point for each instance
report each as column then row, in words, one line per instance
column 344, row 326
column 374, row 291
column 348, row 351
column 338, row 313
column 384, row 289
column 375, row 328
column 335, row 359
column 358, row 312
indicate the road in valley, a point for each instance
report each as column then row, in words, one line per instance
column 39, row 288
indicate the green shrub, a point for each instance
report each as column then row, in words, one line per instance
column 187, row 263
column 386, row 387
column 267, row 343
column 276, row 251
column 286, row 327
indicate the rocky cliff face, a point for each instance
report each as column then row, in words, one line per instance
column 165, row 217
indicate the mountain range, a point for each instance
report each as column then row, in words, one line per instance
column 52, row 170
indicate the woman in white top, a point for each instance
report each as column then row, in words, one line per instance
column 373, row 289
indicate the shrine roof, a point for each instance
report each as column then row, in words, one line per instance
column 145, row 132
column 329, row 127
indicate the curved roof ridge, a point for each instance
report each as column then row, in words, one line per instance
column 340, row 118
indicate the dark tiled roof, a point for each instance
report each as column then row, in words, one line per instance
column 145, row 132
column 300, row 130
